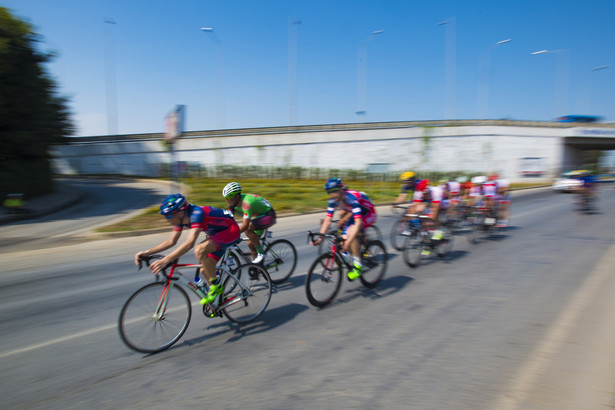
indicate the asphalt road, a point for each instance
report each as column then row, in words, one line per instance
column 520, row 321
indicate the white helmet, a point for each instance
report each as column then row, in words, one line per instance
column 479, row 179
column 231, row 189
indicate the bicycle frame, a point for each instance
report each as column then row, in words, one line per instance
column 176, row 268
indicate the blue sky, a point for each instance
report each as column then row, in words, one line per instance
column 125, row 77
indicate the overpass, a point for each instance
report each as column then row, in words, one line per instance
column 486, row 146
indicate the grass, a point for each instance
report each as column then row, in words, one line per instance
column 287, row 196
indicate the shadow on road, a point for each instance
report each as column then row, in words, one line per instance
column 269, row 320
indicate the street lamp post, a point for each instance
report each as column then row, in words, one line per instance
column 220, row 102
column 483, row 93
column 292, row 70
column 362, row 73
column 560, row 94
column 110, row 80
column 450, row 68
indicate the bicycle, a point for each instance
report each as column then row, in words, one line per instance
column 280, row 257
column 324, row 279
column 482, row 222
column 157, row 315
column 418, row 240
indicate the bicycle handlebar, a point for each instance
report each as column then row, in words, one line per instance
column 147, row 260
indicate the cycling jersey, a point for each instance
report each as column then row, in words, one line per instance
column 454, row 187
column 218, row 223
column 432, row 194
column 356, row 202
column 254, row 206
column 490, row 189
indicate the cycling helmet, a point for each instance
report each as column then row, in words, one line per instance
column 231, row 189
column 406, row 176
column 334, row 183
column 479, row 180
column 173, row 203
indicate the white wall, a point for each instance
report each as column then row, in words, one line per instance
column 486, row 148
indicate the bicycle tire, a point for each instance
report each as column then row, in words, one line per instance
column 413, row 248
column 233, row 260
column 280, row 260
column 138, row 327
column 374, row 258
column 477, row 229
column 445, row 245
column 251, row 294
column 323, row 280
column 396, row 238
column 372, row 233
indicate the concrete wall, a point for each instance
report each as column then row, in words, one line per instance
column 487, row 148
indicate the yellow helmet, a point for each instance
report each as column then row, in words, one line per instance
column 406, row 176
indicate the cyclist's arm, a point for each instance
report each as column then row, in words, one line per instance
column 188, row 244
column 400, row 198
column 163, row 246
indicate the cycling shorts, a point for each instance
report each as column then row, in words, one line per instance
column 223, row 239
column 264, row 221
column 368, row 220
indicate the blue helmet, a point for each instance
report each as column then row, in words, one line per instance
column 173, row 203
column 334, row 183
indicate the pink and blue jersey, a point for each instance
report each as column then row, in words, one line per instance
column 210, row 219
column 358, row 204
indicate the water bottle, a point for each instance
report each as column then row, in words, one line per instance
column 199, row 282
column 346, row 256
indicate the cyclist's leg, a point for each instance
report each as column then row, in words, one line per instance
column 255, row 229
column 209, row 252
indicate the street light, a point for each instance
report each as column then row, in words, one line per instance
column 483, row 94
column 292, row 70
column 220, row 105
column 362, row 73
column 589, row 84
column 560, row 93
column 110, row 80
column 451, row 69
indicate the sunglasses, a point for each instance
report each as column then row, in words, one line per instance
column 171, row 216
column 330, row 191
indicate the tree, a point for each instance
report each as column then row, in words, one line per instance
column 32, row 115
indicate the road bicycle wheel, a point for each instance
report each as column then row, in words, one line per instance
column 280, row 260
column 251, row 293
column 414, row 247
column 323, row 280
column 145, row 327
column 233, row 260
column 373, row 233
column 445, row 245
column 397, row 237
column 477, row 228
column 374, row 258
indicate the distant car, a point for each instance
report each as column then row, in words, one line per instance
column 568, row 181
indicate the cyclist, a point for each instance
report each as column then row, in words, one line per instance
column 503, row 202
column 258, row 215
column 427, row 200
column 355, row 204
column 218, row 224
column 587, row 189
column 409, row 181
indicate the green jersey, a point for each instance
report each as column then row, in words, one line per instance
column 254, row 205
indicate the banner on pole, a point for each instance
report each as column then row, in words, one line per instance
column 175, row 121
